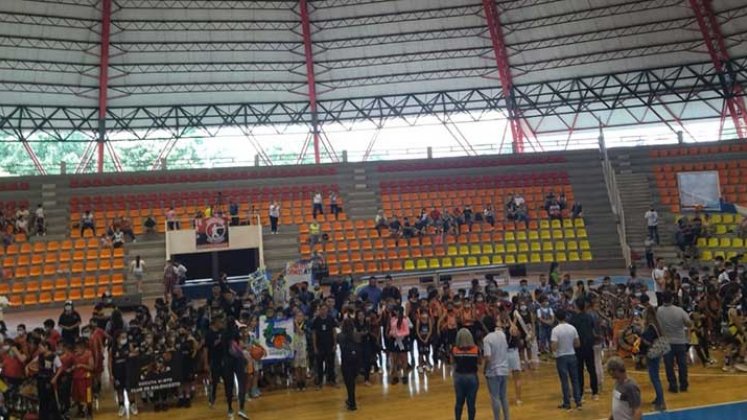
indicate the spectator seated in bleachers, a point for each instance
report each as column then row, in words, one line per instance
column 22, row 226
column 197, row 221
column 423, row 221
column 380, row 221
column 577, row 210
column 488, row 214
column 685, row 239
column 233, row 211
column 150, row 224
column 105, row 241
column 468, row 217
column 87, row 221
column 554, row 211
column 395, row 228
column 118, row 239
column 125, row 225
column 435, row 216
column 408, row 230
column 315, row 233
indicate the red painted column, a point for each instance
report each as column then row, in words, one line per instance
column 493, row 17
column 310, row 76
column 714, row 40
column 106, row 15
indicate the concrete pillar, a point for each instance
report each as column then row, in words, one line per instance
column 344, row 156
column 256, row 160
column 430, row 152
column 63, row 168
column 680, row 137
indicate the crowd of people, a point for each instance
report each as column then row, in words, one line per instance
column 22, row 222
column 379, row 328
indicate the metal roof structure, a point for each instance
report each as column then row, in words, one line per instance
column 96, row 67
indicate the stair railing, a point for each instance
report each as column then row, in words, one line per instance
column 613, row 192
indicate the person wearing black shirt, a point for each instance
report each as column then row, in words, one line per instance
column 69, row 322
column 179, row 302
column 350, row 353
column 584, row 324
column 340, row 290
column 231, row 305
column 120, row 352
column 390, row 291
column 48, row 363
column 215, row 343
column 323, row 342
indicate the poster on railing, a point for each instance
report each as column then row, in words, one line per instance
column 212, row 233
column 155, row 373
column 699, row 189
column 275, row 336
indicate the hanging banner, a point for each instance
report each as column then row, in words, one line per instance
column 298, row 272
column 275, row 336
column 699, row 189
column 212, row 233
column 154, row 373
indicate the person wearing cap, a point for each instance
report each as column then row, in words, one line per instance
column 69, row 322
column 372, row 292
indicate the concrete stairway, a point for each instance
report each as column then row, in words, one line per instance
column 280, row 248
column 638, row 195
column 360, row 192
column 152, row 250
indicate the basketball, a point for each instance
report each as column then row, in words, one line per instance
column 257, row 352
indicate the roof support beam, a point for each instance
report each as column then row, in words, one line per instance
column 310, row 76
column 493, row 17
column 34, row 158
column 714, row 40
column 106, row 21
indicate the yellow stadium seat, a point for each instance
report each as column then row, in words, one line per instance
column 702, row 242
column 521, row 235
column 547, row 246
column 422, row 265
column 511, row 248
column 474, row 250
column 533, row 235
column 555, row 224
column 452, row 251
column 584, row 245
column 724, row 243
column 463, row 250
column 560, row 257
column 715, row 218
column 581, row 233
column 545, row 235
column 535, row 247
column 446, row 262
column 497, row 259
column 727, row 218
column 567, row 223
column 578, row 222
column 569, row 233
column 471, row 261
column 586, row 256
column 484, row 260
column 523, row 247
column 572, row 245
column 535, row 258
column 500, row 248
column 573, row 256
column 510, row 236
column 459, row 262
column 510, row 259
column 737, row 243
column 487, row 249
column 544, row 224
column 713, row 243
column 548, row 257
column 560, row 246
column 433, row 263
column 720, row 229
column 409, row 265
column 557, row 234
column 522, row 259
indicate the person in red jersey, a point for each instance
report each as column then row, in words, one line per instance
column 83, row 379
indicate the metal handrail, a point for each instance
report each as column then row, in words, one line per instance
column 613, row 192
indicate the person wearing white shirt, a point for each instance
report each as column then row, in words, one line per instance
column 495, row 350
column 652, row 221
column 274, row 217
column 39, row 221
column 659, row 275
column 137, row 268
column 317, row 204
column 181, row 272
column 564, row 340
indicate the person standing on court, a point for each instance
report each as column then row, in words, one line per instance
column 674, row 323
column 350, row 354
column 583, row 322
column 626, row 396
column 564, row 340
column 659, row 275
column 466, row 359
column 495, row 351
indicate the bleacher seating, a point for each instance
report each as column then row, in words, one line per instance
column 723, row 240
column 680, row 150
column 355, row 247
column 732, row 174
column 54, row 271
column 468, row 163
column 14, row 186
column 87, row 181
column 295, row 205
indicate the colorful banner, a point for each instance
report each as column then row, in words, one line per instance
column 212, row 233
column 298, row 272
column 275, row 336
column 153, row 374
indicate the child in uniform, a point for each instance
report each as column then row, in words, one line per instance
column 83, row 379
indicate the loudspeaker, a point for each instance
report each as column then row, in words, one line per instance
column 128, row 301
column 517, row 270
